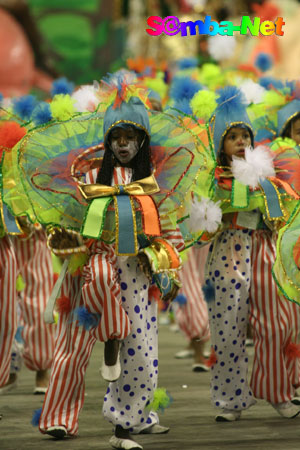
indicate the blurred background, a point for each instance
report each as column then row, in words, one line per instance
column 41, row 40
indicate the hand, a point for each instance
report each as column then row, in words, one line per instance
column 145, row 265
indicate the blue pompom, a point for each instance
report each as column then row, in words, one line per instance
column 23, row 106
column 36, row 417
column 180, row 299
column 18, row 335
column 263, row 62
column 230, row 98
column 209, row 291
column 271, row 82
column 86, row 318
column 41, row 113
column 62, row 86
column 183, row 105
column 187, row 63
column 184, row 88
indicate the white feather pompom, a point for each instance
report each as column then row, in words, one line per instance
column 252, row 91
column 257, row 165
column 205, row 216
column 85, row 98
column 221, row 47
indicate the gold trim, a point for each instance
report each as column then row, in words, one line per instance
column 286, row 123
column 129, row 122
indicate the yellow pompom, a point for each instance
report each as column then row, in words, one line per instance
column 272, row 98
column 161, row 400
column 203, row 104
column 62, row 107
column 157, row 85
column 20, row 284
column 211, row 76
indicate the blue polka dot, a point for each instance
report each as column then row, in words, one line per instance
column 234, row 342
column 247, row 260
column 127, row 407
column 216, row 388
column 131, row 351
column 237, row 247
column 123, row 286
column 227, row 380
column 217, row 273
column 149, row 420
column 153, row 319
column 155, row 363
column 112, row 409
column 127, row 424
column 233, row 281
column 138, row 330
column 134, row 280
column 238, row 392
column 122, row 413
column 224, row 258
column 126, row 387
column 120, row 270
column 238, row 285
column 123, row 299
column 217, row 403
column 137, row 309
column 131, row 394
column 148, row 326
column 141, row 369
column 140, row 411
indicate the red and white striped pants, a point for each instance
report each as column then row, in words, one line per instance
column 8, row 305
column 275, row 323
column 101, row 292
column 35, row 265
column 192, row 318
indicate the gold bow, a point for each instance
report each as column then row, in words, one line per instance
column 145, row 186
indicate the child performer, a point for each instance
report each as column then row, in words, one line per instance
column 127, row 166
column 239, row 268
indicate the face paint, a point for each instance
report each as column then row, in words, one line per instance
column 124, row 144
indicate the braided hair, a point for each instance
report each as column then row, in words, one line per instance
column 140, row 164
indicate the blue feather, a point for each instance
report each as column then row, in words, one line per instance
column 23, row 106
column 62, row 86
column 180, row 299
column 86, row 318
column 18, row 335
column 271, row 82
column 263, row 62
column 36, row 417
column 183, row 105
column 209, row 291
column 184, row 88
column 41, row 113
column 230, row 98
column 187, row 63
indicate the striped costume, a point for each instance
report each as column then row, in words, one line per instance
column 125, row 399
column 192, row 317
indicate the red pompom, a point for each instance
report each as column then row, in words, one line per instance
column 10, row 134
column 154, row 293
column 212, row 359
column 293, row 350
column 63, row 304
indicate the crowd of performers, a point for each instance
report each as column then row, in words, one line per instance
column 145, row 189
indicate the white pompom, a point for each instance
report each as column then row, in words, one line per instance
column 204, row 216
column 221, row 47
column 257, row 165
column 85, row 98
column 252, row 91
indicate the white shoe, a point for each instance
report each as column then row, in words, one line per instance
column 111, row 373
column 40, row 390
column 154, row 429
column 184, row 354
column 126, row 444
column 286, row 409
column 58, row 432
column 198, row 367
column 228, row 415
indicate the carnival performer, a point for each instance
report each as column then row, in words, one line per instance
column 239, row 275
column 129, row 165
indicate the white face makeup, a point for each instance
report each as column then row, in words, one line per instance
column 124, row 144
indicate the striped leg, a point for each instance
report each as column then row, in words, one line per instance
column 102, row 295
column 192, row 317
column 73, row 347
column 8, row 305
column 270, row 317
column 35, row 265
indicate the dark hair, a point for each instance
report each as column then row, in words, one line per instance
column 287, row 131
column 141, row 163
column 222, row 156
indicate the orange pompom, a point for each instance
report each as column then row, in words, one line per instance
column 10, row 134
column 63, row 304
column 293, row 350
column 154, row 293
column 212, row 359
